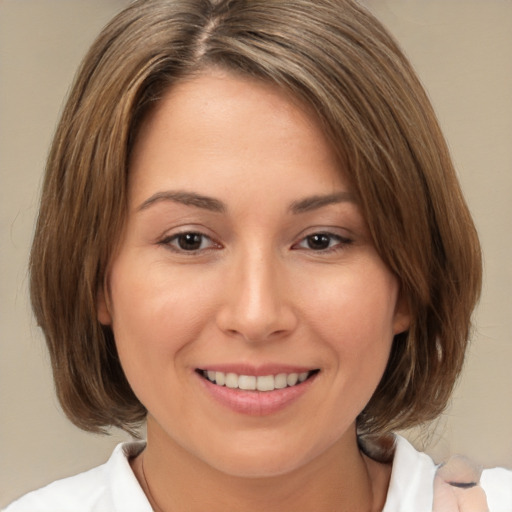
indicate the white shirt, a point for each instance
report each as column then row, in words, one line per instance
column 113, row 487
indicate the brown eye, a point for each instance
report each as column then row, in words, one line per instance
column 319, row 241
column 189, row 241
column 323, row 242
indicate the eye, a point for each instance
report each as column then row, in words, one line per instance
column 323, row 242
column 189, row 241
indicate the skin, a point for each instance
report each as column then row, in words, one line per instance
column 258, row 289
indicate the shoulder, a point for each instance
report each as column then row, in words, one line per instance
column 412, row 482
column 110, row 487
column 497, row 484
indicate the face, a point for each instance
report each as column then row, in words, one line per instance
column 251, row 312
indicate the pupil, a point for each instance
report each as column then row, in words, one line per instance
column 319, row 241
column 190, row 241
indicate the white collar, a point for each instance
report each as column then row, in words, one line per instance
column 410, row 487
column 412, row 477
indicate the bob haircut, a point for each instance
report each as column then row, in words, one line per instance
column 338, row 61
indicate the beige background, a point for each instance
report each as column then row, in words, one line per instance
column 462, row 50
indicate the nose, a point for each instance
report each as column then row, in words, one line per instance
column 257, row 304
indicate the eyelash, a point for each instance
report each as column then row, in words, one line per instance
column 170, row 240
column 173, row 242
column 340, row 242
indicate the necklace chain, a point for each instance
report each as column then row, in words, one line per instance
column 146, row 485
column 158, row 509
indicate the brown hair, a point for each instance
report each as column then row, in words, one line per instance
column 338, row 60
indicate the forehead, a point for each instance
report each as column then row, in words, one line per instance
column 216, row 98
column 238, row 130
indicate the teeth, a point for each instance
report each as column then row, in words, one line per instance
column 231, row 380
column 265, row 383
column 247, row 382
column 251, row 383
column 280, row 381
column 292, row 378
column 220, row 378
column 303, row 376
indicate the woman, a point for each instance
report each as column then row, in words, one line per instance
column 267, row 255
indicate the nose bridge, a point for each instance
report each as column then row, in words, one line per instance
column 256, row 305
column 259, row 290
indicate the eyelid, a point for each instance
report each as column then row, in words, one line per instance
column 167, row 239
column 343, row 241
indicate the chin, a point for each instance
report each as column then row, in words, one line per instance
column 261, row 460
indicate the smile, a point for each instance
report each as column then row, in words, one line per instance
column 271, row 391
column 256, row 383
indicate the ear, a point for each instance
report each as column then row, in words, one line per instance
column 402, row 318
column 103, row 306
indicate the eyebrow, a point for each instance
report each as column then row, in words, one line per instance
column 315, row 202
column 186, row 198
column 211, row 204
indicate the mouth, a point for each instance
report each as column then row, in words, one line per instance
column 263, row 383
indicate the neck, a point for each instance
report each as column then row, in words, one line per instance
column 340, row 480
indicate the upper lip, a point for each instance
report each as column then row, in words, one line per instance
column 257, row 371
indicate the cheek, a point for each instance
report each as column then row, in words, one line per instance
column 354, row 318
column 361, row 311
column 154, row 320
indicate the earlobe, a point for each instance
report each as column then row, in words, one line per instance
column 103, row 307
column 402, row 318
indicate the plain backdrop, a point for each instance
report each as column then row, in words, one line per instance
column 462, row 50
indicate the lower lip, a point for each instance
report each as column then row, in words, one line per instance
column 257, row 403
